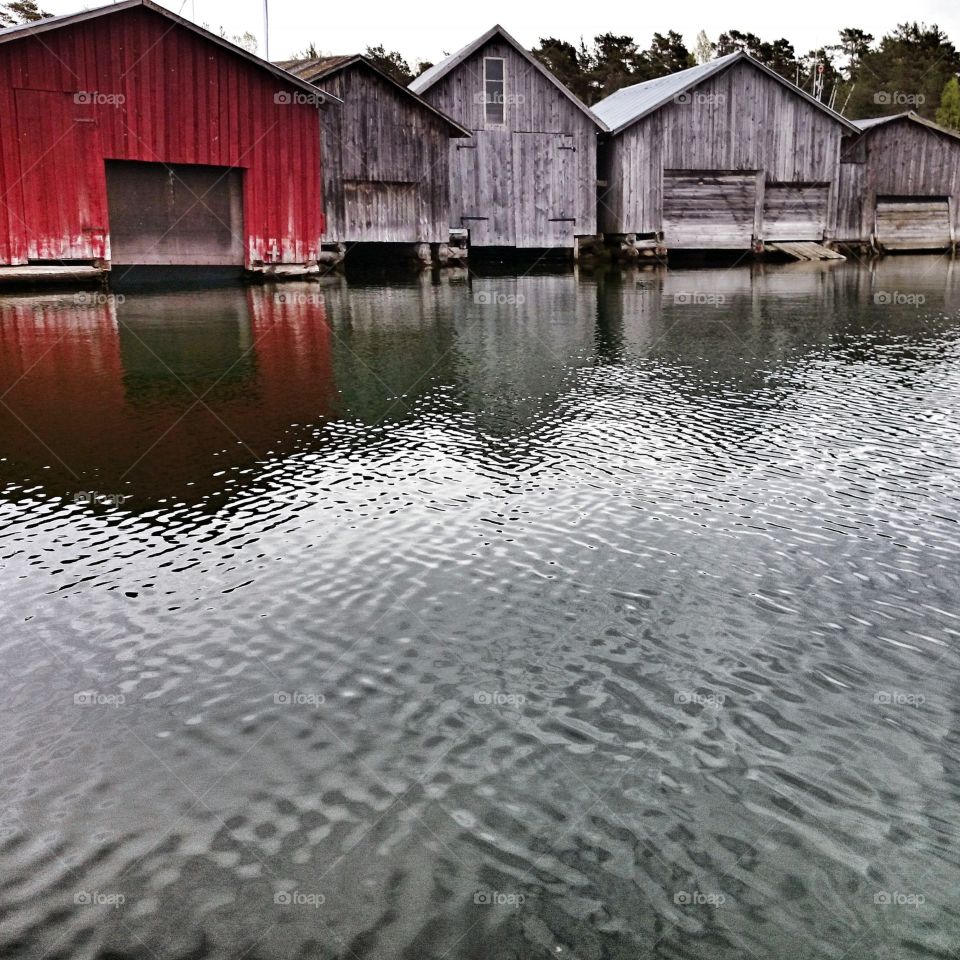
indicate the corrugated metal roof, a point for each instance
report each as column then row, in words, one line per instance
column 913, row 117
column 429, row 77
column 625, row 107
column 630, row 103
column 873, row 121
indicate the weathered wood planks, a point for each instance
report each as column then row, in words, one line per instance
column 386, row 161
column 529, row 182
column 899, row 186
column 756, row 138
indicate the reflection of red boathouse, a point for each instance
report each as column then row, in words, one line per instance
column 156, row 395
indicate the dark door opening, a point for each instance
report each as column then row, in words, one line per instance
column 174, row 214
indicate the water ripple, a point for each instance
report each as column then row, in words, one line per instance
column 377, row 622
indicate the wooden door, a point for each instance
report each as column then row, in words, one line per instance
column 851, row 188
column 481, row 188
column 795, row 211
column 182, row 214
column 381, row 212
column 545, row 192
column 913, row 223
column 708, row 209
column 61, row 179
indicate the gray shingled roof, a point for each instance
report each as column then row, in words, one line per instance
column 318, row 69
column 630, row 104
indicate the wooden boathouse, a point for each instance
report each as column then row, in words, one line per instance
column 900, row 185
column 386, row 156
column 527, row 177
column 130, row 136
column 724, row 155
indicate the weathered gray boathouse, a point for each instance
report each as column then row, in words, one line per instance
column 900, row 185
column 724, row 155
column 385, row 156
column 527, row 177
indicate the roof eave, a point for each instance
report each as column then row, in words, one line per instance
column 23, row 31
column 458, row 130
column 454, row 60
column 708, row 75
column 910, row 116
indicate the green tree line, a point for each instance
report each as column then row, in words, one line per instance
column 914, row 67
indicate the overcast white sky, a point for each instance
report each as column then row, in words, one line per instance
column 426, row 29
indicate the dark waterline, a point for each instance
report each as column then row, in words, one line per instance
column 546, row 615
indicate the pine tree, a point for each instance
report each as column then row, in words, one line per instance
column 948, row 113
column 21, row 11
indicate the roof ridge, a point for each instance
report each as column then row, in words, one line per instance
column 625, row 107
column 439, row 70
column 33, row 27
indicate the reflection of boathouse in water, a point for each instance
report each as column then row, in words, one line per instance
column 197, row 394
column 155, row 394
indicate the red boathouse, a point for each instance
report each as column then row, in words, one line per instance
column 130, row 136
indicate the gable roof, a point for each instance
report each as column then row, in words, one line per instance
column 318, row 69
column 910, row 116
column 309, row 68
column 429, row 77
column 625, row 107
column 23, row 30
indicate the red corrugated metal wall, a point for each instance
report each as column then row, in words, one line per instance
column 133, row 85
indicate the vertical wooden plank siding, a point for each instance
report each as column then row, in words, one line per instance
column 133, row 85
column 741, row 120
column 897, row 159
column 386, row 163
column 487, row 193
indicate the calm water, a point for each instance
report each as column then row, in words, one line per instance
column 509, row 617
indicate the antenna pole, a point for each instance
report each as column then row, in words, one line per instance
column 266, row 30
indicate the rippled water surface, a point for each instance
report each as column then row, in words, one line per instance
column 540, row 616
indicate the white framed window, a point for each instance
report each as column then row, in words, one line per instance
column 495, row 90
